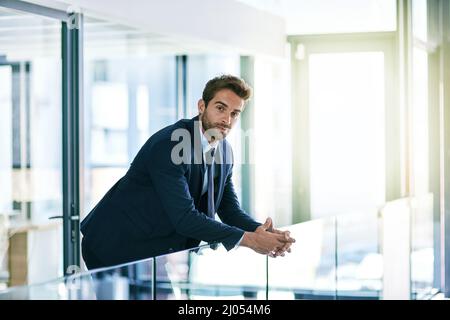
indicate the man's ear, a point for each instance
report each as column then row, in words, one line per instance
column 201, row 106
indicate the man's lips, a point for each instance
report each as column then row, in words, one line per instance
column 223, row 128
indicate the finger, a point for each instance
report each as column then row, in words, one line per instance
column 270, row 225
column 289, row 239
column 282, row 238
column 277, row 231
column 281, row 251
column 267, row 224
column 286, row 235
column 286, row 247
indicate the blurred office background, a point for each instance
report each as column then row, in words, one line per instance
column 343, row 141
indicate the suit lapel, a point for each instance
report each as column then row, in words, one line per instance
column 197, row 157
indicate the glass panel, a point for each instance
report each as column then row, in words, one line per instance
column 109, row 123
column 422, row 243
column 31, row 154
column 132, row 281
column 272, row 142
column 5, row 168
column 309, row 271
column 422, row 249
column 347, row 112
column 359, row 260
column 396, row 247
column 130, row 94
column 211, row 274
column 420, row 136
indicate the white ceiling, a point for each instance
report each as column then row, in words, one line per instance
column 24, row 36
column 331, row 16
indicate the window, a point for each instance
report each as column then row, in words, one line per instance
column 346, row 101
column 129, row 95
column 31, row 148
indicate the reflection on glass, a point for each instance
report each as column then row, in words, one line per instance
column 359, row 260
column 309, row 271
column 347, row 110
column 211, row 274
column 132, row 281
column 31, row 148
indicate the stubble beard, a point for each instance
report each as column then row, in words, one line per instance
column 211, row 131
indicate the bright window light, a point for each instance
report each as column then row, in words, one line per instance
column 346, row 103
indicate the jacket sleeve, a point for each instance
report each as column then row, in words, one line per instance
column 172, row 189
column 230, row 211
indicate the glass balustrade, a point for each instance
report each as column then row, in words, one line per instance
column 343, row 257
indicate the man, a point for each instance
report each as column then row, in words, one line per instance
column 180, row 178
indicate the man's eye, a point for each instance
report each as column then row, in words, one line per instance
column 234, row 114
column 221, row 108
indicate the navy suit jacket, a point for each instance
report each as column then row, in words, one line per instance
column 155, row 208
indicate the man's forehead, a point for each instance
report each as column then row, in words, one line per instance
column 228, row 98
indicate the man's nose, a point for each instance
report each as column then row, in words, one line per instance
column 227, row 119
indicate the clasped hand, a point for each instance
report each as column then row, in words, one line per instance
column 271, row 241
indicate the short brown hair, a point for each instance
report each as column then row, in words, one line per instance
column 235, row 84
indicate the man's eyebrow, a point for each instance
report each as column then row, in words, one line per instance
column 222, row 103
column 226, row 106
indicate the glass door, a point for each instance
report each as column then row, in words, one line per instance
column 347, row 146
column 347, row 132
column 346, row 125
column 31, row 248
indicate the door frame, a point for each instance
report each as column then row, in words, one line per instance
column 301, row 47
column 72, row 124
